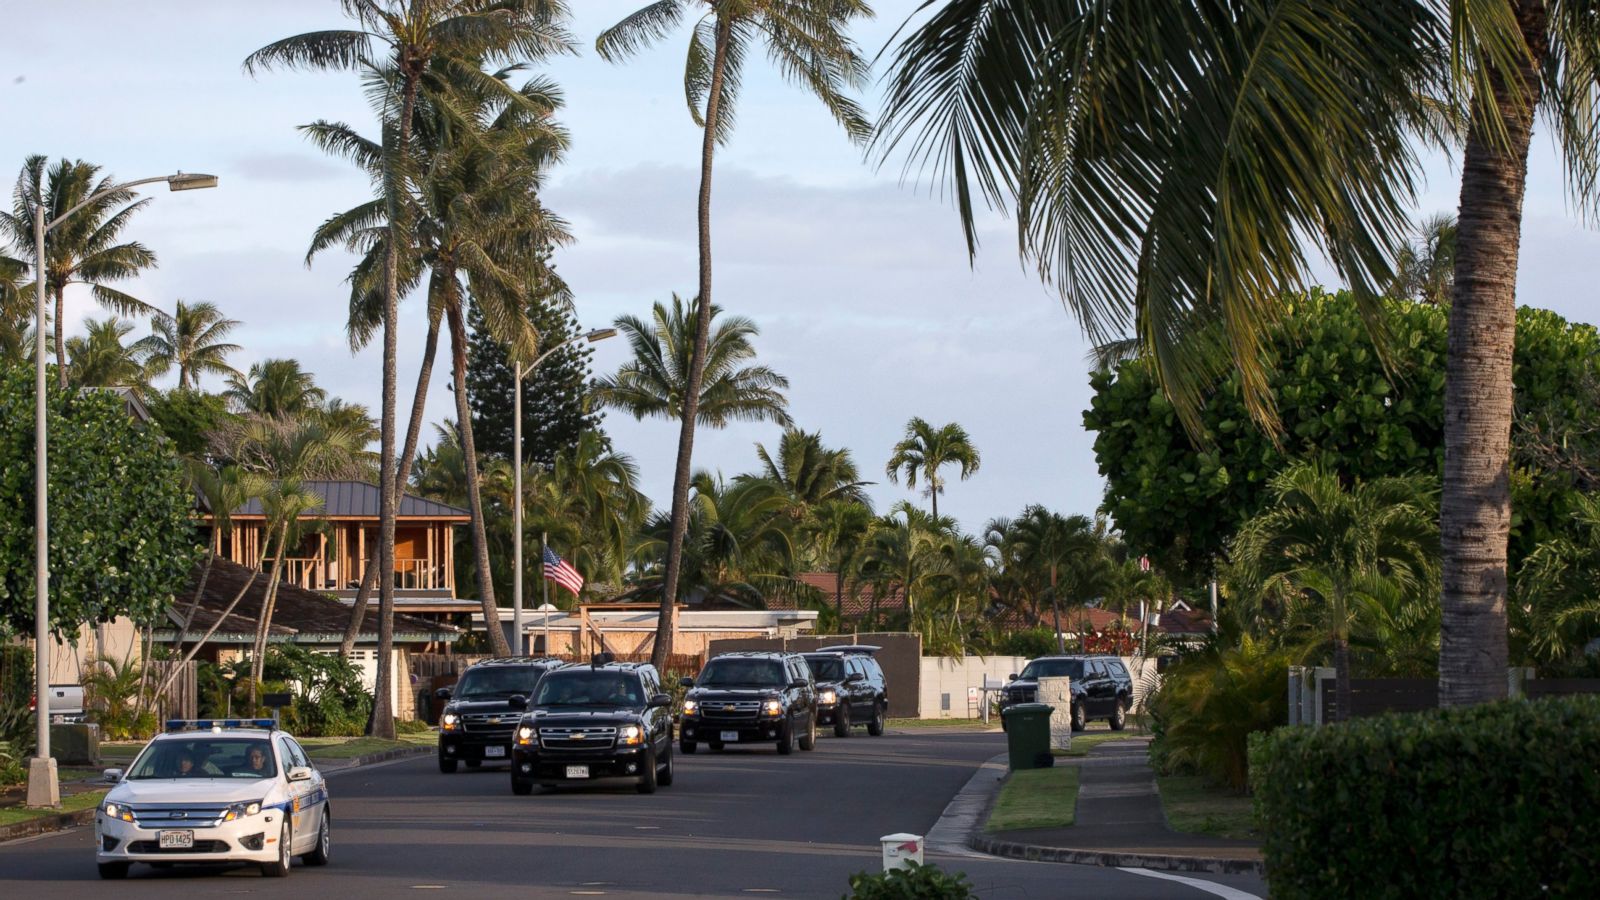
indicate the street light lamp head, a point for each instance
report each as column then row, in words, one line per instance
column 190, row 181
column 600, row 334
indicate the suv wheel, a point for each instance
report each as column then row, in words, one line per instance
column 875, row 727
column 474, row 763
column 113, row 871
column 1079, row 719
column 841, row 721
column 447, row 766
column 808, row 741
column 647, row 780
column 1119, row 716
column 280, row 868
column 716, row 746
column 687, row 746
column 323, row 851
column 665, row 778
column 520, row 786
column 786, row 738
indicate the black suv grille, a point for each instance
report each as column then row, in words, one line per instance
column 578, row 738
column 730, row 710
column 494, row 725
column 199, row 847
column 1021, row 695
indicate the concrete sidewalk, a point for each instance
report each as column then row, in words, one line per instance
column 1120, row 822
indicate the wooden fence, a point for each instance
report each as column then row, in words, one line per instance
column 181, row 700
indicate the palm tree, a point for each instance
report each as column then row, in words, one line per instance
column 590, row 503
column 1222, row 174
column 1557, row 612
column 415, row 38
column 16, row 312
column 101, row 359
column 740, row 545
column 904, row 554
column 85, row 248
column 1059, row 553
column 1426, row 267
column 193, row 340
column 1342, row 548
column 812, row 473
column 925, row 450
column 275, row 387
column 807, row 41
column 840, row 530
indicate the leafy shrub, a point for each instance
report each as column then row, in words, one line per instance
column 1486, row 801
column 329, row 699
column 1028, row 642
column 16, row 690
column 1208, row 705
column 411, row 726
column 914, row 882
column 11, row 769
column 112, row 695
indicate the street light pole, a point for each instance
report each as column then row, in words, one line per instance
column 598, row 334
column 44, row 788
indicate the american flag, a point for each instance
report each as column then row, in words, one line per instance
column 561, row 572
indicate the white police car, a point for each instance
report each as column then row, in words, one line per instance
column 215, row 791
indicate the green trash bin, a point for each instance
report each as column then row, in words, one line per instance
column 1028, row 735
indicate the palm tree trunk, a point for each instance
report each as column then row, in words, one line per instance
column 172, row 674
column 838, row 594
column 60, row 337
column 665, row 624
column 188, row 616
column 933, row 494
column 480, row 538
column 264, row 622
column 1341, row 677
column 1055, row 610
column 1475, row 506
column 369, row 574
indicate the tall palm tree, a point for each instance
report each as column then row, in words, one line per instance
column 194, row 340
column 740, row 546
column 807, row 41
column 414, row 37
column 1425, row 269
column 275, row 387
column 101, row 359
column 925, row 450
column 1233, row 138
column 840, row 529
column 1343, row 547
column 1062, row 553
column 16, row 312
column 84, row 249
column 904, row 554
column 812, row 473
column 590, row 503
column 656, row 382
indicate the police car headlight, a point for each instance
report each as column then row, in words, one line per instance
column 118, row 811
column 827, row 698
column 525, row 735
column 240, row 810
column 773, row 707
column 628, row 735
column 448, row 721
column 690, row 707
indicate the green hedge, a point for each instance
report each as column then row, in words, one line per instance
column 1500, row 800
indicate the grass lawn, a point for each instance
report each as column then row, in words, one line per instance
column 1195, row 805
column 974, row 724
column 1036, row 798
column 1083, row 741
column 350, row 747
column 14, row 814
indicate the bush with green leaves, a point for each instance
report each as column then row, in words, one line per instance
column 16, row 691
column 329, row 700
column 1486, row 801
column 1208, row 705
column 113, row 696
column 913, row 882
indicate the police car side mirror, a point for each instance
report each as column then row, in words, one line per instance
column 442, row 693
column 686, row 682
column 660, row 701
column 111, row 776
column 299, row 773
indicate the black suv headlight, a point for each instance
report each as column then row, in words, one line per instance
column 691, row 706
column 630, row 736
column 772, row 707
column 450, row 721
column 827, row 696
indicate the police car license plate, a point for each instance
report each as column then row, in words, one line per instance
column 176, row 840
column 730, row 737
column 577, row 771
column 494, row 752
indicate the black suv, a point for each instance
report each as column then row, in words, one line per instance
column 1101, row 687
column 603, row 720
column 750, row 698
column 850, row 691
column 484, row 707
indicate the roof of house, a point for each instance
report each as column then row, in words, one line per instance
column 299, row 615
column 858, row 597
column 1185, row 621
column 359, row 500
column 1074, row 620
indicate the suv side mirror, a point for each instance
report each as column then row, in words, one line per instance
column 300, row 773
column 686, row 682
column 660, row 701
column 799, row 685
column 1012, row 677
column 442, row 693
column 519, row 700
column 855, row 677
column 111, row 776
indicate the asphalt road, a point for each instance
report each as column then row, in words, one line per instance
column 737, row 824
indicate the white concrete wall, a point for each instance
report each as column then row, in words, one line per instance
column 957, row 676
column 118, row 640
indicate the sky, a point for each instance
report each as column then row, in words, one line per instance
column 858, row 280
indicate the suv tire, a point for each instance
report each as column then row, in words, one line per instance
column 716, row 746
column 665, row 778
column 280, row 869
column 521, row 787
column 647, row 780
column 447, row 766
column 474, row 763
column 323, row 851
column 1080, row 719
column 875, row 727
column 687, row 746
column 786, row 738
column 808, row 741
column 114, row 871
column 841, row 721
column 1119, row 716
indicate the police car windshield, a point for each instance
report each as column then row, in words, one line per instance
column 205, row 758
column 1053, row 668
column 591, row 688
column 741, row 673
column 497, row 682
column 826, row 669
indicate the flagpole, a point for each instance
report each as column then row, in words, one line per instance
column 517, row 646
column 544, row 542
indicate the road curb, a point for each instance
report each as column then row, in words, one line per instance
column 356, row 762
column 44, row 824
column 1115, row 858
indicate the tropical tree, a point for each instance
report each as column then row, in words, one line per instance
column 904, row 554
column 99, row 358
column 412, row 38
column 740, row 547
column 1059, row 554
column 275, row 387
column 16, row 312
column 925, row 450
column 839, row 530
column 807, row 41
column 590, row 501
column 1341, row 550
column 84, row 249
column 1557, row 610
column 194, row 340
column 656, row 382
column 812, row 473
column 1425, row 269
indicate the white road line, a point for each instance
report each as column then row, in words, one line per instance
column 1210, row 887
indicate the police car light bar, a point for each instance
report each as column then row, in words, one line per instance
column 218, row 724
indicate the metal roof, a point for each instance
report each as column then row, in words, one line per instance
column 358, row 499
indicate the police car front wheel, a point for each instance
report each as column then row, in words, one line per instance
column 280, row 869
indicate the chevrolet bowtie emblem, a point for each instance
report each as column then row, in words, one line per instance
column 728, row 708
column 494, row 720
column 579, row 736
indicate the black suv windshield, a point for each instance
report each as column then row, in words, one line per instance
column 741, row 673
column 1053, row 668
column 826, row 668
column 206, row 758
column 498, row 681
column 594, row 688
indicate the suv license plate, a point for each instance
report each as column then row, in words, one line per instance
column 577, row 771
column 730, row 737
column 176, row 840
column 494, row 752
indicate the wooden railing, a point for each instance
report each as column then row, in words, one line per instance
column 314, row 574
